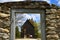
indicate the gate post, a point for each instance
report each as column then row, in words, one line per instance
column 12, row 32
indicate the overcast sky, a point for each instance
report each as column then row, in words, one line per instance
column 57, row 2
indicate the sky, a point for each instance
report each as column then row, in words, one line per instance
column 21, row 18
column 57, row 2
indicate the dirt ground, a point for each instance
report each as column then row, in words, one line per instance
column 28, row 39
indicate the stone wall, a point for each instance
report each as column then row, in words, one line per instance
column 52, row 24
column 4, row 24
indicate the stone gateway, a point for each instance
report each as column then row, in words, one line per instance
column 52, row 15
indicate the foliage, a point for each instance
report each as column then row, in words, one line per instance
column 36, row 26
column 36, row 30
column 17, row 33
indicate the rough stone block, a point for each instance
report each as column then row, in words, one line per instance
column 51, row 28
column 53, row 10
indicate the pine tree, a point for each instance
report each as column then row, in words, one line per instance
column 17, row 33
column 36, row 26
